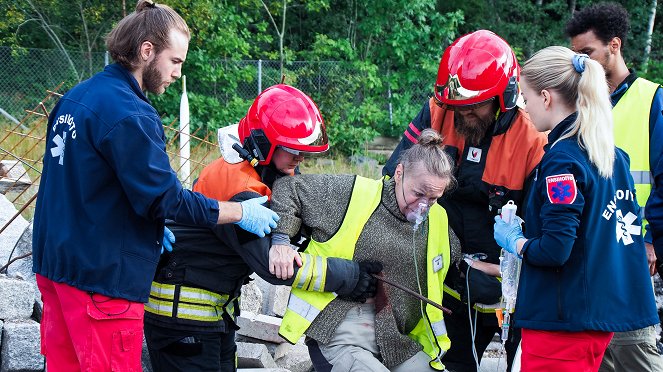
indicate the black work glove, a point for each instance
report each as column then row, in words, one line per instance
column 367, row 285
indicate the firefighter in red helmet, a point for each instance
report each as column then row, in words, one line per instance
column 476, row 68
column 190, row 319
column 495, row 148
column 282, row 117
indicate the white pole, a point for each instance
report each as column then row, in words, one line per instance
column 185, row 142
column 259, row 76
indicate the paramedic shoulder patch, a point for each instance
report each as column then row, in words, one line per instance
column 561, row 189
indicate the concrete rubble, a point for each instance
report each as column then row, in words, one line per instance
column 20, row 346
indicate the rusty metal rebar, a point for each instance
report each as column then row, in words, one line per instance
column 412, row 293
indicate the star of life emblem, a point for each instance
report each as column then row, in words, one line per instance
column 625, row 227
column 561, row 188
column 58, row 150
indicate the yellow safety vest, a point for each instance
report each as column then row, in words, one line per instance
column 304, row 306
column 631, row 129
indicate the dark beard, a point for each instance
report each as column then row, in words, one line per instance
column 152, row 79
column 473, row 133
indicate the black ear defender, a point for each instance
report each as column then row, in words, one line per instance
column 510, row 95
column 258, row 144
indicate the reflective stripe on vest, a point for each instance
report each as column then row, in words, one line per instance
column 482, row 308
column 439, row 328
column 304, row 306
column 631, row 129
column 312, row 275
column 642, row 177
column 192, row 303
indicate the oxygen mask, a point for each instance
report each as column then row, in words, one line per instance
column 419, row 215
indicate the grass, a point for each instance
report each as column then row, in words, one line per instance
column 28, row 146
column 339, row 166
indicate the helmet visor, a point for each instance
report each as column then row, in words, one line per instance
column 316, row 142
column 302, row 153
column 474, row 106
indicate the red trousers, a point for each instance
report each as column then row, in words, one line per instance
column 563, row 351
column 81, row 331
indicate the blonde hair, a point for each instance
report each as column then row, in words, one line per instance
column 587, row 91
column 149, row 22
column 428, row 153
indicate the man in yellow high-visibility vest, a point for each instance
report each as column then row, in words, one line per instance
column 600, row 32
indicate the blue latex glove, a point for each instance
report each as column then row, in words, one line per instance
column 507, row 235
column 256, row 218
column 168, row 240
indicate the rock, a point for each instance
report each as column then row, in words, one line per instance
column 17, row 298
column 278, row 299
column 254, row 356
column 259, row 326
column 381, row 142
column 266, row 289
column 37, row 310
column 293, row 357
column 13, row 177
column 23, row 267
column 13, row 232
column 21, row 347
column 363, row 161
column 251, row 300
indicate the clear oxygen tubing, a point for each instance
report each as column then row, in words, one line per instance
column 418, row 217
column 473, row 328
column 510, row 271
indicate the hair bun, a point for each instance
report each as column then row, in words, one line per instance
column 430, row 137
column 145, row 4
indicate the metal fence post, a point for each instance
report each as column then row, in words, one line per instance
column 391, row 110
column 185, row 140
column 106, row 58
column 259, row 76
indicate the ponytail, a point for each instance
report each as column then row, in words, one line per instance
column 581, row 83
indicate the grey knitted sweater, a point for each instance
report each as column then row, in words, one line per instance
column 320, row 202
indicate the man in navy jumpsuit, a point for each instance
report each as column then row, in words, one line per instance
column 106, row 189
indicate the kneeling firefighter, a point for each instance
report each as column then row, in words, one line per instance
column 190, row 319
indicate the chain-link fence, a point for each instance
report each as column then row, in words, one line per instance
column 25, row 74
column 221, row 90
column 22, row 147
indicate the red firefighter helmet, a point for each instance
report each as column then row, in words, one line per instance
column 282, row 116
column 475, row 68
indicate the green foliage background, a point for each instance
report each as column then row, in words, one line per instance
column 381, row 51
